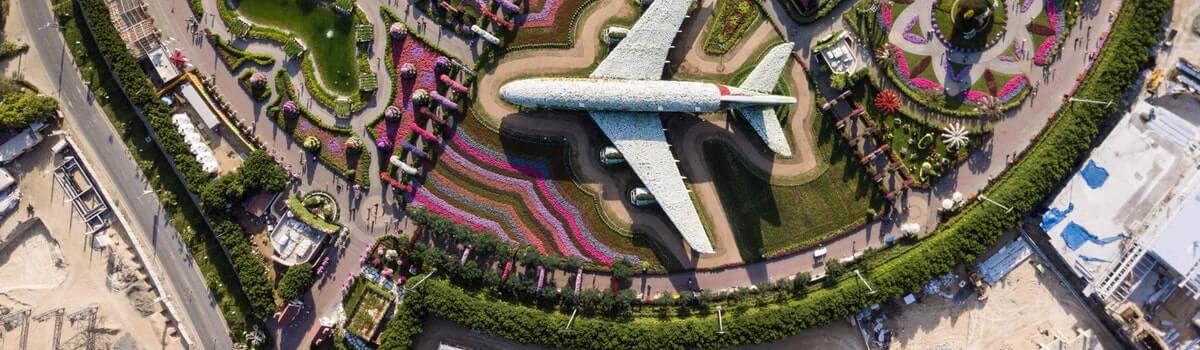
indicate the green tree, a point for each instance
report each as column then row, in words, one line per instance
column 297, row 280
column 18, row 110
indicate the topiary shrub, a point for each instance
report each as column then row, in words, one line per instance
column 311, row 143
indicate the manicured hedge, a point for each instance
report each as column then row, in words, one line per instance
column 234, row 57
column 296, row 281
column 1045, row 164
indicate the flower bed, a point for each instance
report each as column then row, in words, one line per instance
column 731, row 20
column 332, row 149
column 255, row 84
column 549, row 23
column 1051, row 32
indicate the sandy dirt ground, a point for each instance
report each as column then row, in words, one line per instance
column 51, row 263
column 1024, row 310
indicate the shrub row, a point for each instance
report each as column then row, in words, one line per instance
column 826, row 6
column 141, row 92
column 259, row 172
column 1045, row 164
column 234, row 57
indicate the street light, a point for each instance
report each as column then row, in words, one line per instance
column 720, row 320
column 1006, row 208
column 1105, row 103
column 864, row 281
column 572, row 319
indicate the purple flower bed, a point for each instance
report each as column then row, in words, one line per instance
column 423, row 198
column 911, row 37
column 1026, row 5
column 544, row 18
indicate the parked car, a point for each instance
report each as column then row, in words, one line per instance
column 9, row 201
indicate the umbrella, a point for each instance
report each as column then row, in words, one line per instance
column 957, row 196
column 178, row 59
column 947, row 204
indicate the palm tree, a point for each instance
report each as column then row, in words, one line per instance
column 955, row 136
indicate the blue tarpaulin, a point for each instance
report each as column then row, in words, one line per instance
column 1054, row 216
column 1094, row 175
column 1075, row 236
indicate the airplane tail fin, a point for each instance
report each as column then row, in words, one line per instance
column 762, row 117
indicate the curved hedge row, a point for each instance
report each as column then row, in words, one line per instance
column 1047, row 162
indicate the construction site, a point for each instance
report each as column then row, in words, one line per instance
column 72, row 278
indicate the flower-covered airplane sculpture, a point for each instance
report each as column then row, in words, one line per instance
column 626, row 93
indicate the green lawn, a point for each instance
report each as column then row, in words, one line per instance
column 329, row 36
column 183, row 214
column 767, row 219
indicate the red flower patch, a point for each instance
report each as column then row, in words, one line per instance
column 920, row 67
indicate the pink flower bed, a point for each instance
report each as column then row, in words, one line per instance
column 976, row 96
column 423, row 58
column 1041, row 58
column 886, row 16
column 922, row 83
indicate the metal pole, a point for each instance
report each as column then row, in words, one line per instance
column 1105, row 103
column 423, row 279
column 720, row 320
column 1007, row 209
column 864, row 281
column 572, row 319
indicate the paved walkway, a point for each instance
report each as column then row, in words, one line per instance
column 1011, row 134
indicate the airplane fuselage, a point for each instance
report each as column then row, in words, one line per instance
column 631, row 95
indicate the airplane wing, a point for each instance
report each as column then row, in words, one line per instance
column 639, row 137
column 642, row 54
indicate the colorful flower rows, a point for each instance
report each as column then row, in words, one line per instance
column 545, row 17
column 539, row 172
column 513, row 185
column 423, row 198
column 482, row 204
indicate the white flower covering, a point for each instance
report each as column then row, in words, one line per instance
column 766, row 125
column 485, row 35
column 642, row 54
column 955, row 135
column 196, row 143
column 640, row 139
column 614, row 95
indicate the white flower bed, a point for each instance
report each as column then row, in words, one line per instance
column 485, row 35
column 640, row 139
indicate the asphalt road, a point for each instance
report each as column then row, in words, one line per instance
column 144, row 211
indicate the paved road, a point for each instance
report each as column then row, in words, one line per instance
column 100, row 142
